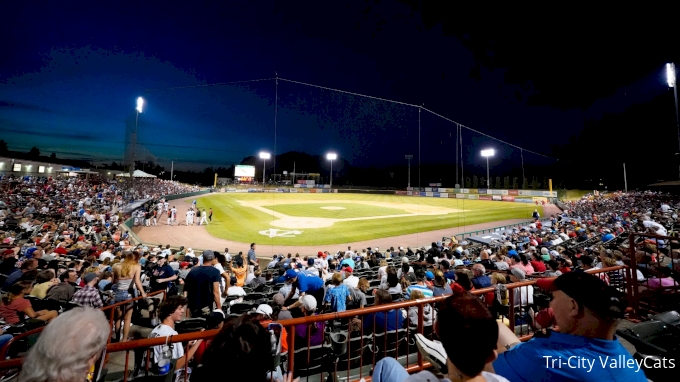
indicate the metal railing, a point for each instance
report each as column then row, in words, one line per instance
column 109, row 310
column 361, row 348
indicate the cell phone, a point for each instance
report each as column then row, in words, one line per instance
column 4, row 328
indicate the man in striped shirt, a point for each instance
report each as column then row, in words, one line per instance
column 419, row 285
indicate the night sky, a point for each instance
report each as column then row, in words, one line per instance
column 70, row 74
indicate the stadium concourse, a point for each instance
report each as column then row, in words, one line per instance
column 63, row 249
column 196, row 237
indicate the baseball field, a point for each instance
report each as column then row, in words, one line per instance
column 315, row 219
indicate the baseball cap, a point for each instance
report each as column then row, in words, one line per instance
column 184, row 264
column 290, row 274
column 429, row 275
column 590, row 291
column 512, row 252
column 264, row 309
column 310, row 261
column 308, row 302
column 404, row 260
column 519, row 273
column 208, row 255
column 347, row 269
column 278, row 299
column 89, row 277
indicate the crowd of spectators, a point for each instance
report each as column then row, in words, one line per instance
column 244, row 294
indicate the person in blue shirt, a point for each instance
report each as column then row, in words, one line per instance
column 384, row 321
column 607, row 236
column 337, row 296
column 481, row 280
column 585, row 348
column 304, row 284
column 348, row 262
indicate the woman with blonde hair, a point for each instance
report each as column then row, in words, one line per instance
column 126, row 276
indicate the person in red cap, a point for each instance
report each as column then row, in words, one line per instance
column 586, row 311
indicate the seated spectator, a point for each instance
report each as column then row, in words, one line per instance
column 524, row 296
column 358, row 295
column 88, row 296
column 68, row 348
column 485, row 261
column 587, row 312
column 419, row 286
column 14, row 308
column 384, row 321
column 456, row 362
column 552, row 268
column 663, row 279
column 337, row 296
column 279, row 300
column 315, row 331
column 520, row 261
column 391, row 285
column 537, row 264
column 350, row 280
column 171, row 311
column 265, row 315
column 43, row 282
column 242, row 347
column 429, row 313
column 441, row 286
column 64, row 291
column 27, row 266
column 480, row 279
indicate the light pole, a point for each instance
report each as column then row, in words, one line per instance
column 408, row 158
column 264, row 156
column 331, row 157
column 671, row 77
column 139, row 108
column 488, row 153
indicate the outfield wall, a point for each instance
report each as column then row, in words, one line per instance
column 517, row 196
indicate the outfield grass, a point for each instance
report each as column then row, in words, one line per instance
column 236, row 222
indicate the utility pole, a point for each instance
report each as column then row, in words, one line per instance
column 408, row 158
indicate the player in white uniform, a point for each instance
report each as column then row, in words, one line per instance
column 190, row 217
column 204, row 218
column 173, row 214
column 165, row 206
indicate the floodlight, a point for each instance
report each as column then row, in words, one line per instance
column 140, row 104
column 265, row 155
column 488, row 153
column 670, row 74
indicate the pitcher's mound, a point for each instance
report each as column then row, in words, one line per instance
column 302, row 222
column 333, row 208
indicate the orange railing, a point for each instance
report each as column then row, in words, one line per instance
column 370, row 347
column 109, row 310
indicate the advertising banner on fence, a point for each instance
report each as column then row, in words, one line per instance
column 483, row 191
column 523, row 201
column 443, row 194
column 460, row 196
column 464, row 190
column 428, row 189
column 496, row 197
column 312, row 190
column 473, row 191
column 499, row 192
column 428, row 194
column 484, row 197
column 473, row 196
column 409, row 193
column 401, row 193
column 435, row 184
column 513, row 192
column 507, row 198
column 435, row 194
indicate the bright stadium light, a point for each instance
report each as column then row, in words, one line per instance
column 670, row 74
column 488, row 153
column 331, row 157
column 264, row 156
column 140, row 104
column 671, row 77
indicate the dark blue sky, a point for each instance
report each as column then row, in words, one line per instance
column 70, row 74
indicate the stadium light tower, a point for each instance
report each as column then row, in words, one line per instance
column 264, row 156
column 488, row 153
column 138, row 108
column 331, row 157
column 408, row 158
column 671, row 78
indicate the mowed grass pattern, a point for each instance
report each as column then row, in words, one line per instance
column 349, row 210
column 232, row 221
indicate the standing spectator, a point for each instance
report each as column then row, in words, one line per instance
column 252, row 258
column 162, row 275
column 210, row 218
column 88, row 296
column 306, row 285
column 68, row 347
column 202, row 287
